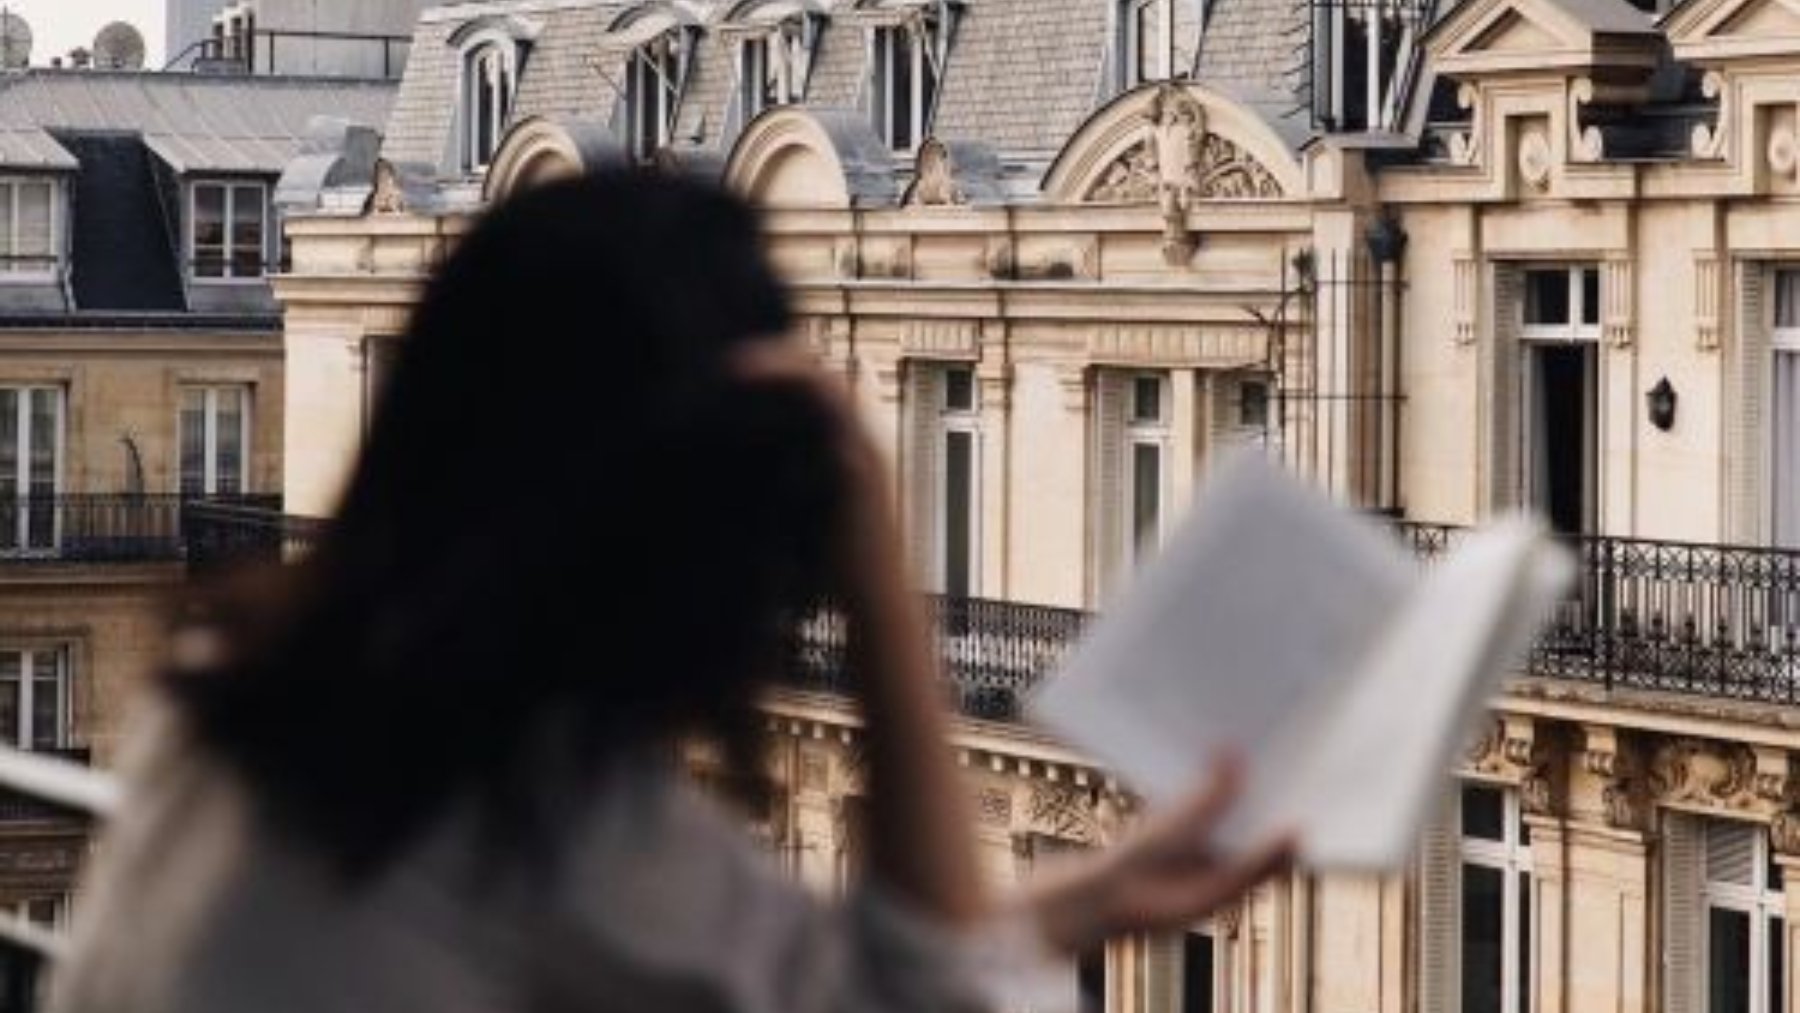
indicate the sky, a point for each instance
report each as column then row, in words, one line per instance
column 58, row 26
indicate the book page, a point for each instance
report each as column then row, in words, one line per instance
column 1258, row 609
column 1358, row 782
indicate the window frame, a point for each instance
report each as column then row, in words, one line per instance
column 210, row 427
column 23, row 511
column 1511, row 856
column 1130, row 42
column 1576, row 328
column 952, row 421
column 1784, row 341
column 783, row 48
column 924, row 77
column 1157, row 433
column 23, row 737
column 504, row 50
column 230, row 186
column 53, row 258
column 1762, row 904
column 669, row 84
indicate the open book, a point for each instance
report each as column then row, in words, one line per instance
column 1344, row 672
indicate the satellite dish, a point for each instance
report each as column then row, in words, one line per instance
column 15, row 41
column 119, row 46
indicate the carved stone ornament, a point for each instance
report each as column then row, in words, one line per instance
column 1607, row 756
column 1784, row 833
column 1784, row 147
column 1712, row 775
column 1711, row 141
column 1063, row 811
column 388, row 198
column 993, row 807
column 1465, row 147
column 934, row 179
column 1513, row 750
column 1535, row 157
column 1178, row 162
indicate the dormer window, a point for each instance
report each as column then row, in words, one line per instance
column 228, row 230
column 907, row 66
column 1363, row 55
column 655, row 77
column 28, row 227
column 1147, row 41
column 773, row 63
column 490, row 78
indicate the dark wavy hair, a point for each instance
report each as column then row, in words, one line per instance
column 573, row 531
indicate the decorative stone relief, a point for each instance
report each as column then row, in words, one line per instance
column 888, row 260
column 1606, row 756
column 1467, row 297
column 1707, row 300
column 1063, row 811
column 1000, row 258
column 1075, row 260
column 934, row 180
column 1217, row 345
column 1711, row 140
column 1465, row 148
column 1178, row 162
column 846, row 259
column 1619, row 297
column 1586, row 144
column 1783, row 146
column 1714, row 775
column 1512, row 749
column 958, row 338
column 815, row 771
column 994, row 807
column 1535, row 156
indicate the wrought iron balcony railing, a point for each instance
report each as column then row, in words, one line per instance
column 105, row 527
column 29, row 807
column 1710, row 620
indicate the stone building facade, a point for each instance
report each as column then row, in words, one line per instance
column 1445, row 260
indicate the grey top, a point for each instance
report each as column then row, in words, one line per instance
column 660, row 905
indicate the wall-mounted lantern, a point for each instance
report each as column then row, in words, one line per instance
column 1660, row 399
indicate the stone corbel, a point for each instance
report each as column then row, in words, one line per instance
column 1514, row 750
column 1707, row 300
column 1468, row 297
column 1710, row 141
column 1607, row 757
column 1465, row 148
column 1618, row 318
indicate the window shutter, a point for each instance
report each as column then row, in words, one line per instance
column 1111, row 392
column 1504, row 359
column 1731, row 852
column 1162, row 973
column 923, row 382
column 1682, row 846
column 1747, row 511
column 1440, row 912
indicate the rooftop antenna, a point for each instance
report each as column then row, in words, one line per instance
column 119, row 46
column 15, row 41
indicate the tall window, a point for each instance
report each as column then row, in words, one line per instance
column 772, row 66
column 489, row 80
column 230, row 234
column 1561, row 362
column 1147, row 41
column 1742, row 908
column 28, row 226
column 215, row 440
column 1203, row 981
column 31, row 440
column 944, row 478
column 905, row 84
column 653, row 80
column 1495, row 956
column 1147, row 439
column 34, row 698
column 1784, row 433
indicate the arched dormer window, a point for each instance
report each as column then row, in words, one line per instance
column 492, row 50
column 775, row 43
column 489, row 80
column 909, row 44
column 651, row 49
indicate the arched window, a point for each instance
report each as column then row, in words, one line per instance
column 490, row 77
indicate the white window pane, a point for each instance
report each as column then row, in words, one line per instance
column 47, row 705
column 1547, row 298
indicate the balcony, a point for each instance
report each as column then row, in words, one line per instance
column 1712, row 621
column 17, row 807
column 104, row 528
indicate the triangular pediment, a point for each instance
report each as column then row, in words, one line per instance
column 1485, row 37
column 1717, row 31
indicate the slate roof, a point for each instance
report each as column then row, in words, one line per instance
column 196, row 123
column 1022, row 74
